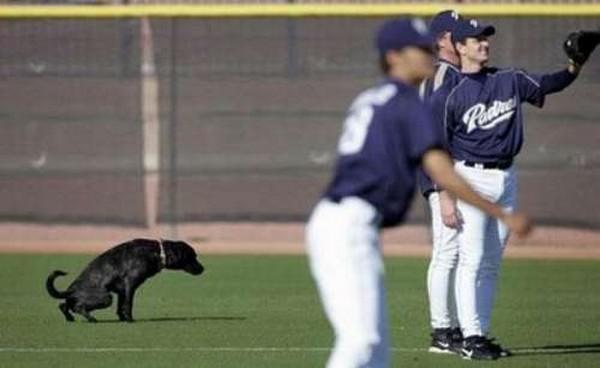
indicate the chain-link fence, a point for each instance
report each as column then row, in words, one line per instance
column 70, row 120
column 237, row 119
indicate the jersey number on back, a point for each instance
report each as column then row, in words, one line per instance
column 356, row 125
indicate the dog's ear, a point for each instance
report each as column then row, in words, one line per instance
column 185, row 247
column 178, row 253
column 190, row 247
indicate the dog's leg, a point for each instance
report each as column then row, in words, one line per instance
column 82, row 309
column 127, row 302
column 92, row 301
column 121, row 305
column 123, row 302
column 64, row 308
column 127, row 310
column 88, row 316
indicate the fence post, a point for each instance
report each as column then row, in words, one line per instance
column 292, row 68
column 172, row 137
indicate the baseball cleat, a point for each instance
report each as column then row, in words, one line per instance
column 446, row 341
column 503, row 352
column 479, row 348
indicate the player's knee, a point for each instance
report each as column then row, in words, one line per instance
column 447, row 261
column 470, row 262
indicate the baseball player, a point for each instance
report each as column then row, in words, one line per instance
column 482, row 116
column 387, row 133
column 446, row 336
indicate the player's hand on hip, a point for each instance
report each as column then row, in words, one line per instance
column 450, row 215
column 518, row 223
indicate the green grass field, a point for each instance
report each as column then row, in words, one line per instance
column 262, row 311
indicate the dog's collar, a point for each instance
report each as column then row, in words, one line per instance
column 163, row 255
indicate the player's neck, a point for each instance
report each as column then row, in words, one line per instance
column 471, row 67
column 449, row 57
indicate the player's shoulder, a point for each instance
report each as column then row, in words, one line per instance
column 379, row 94
column 448, row 68
column 445, row 73
column 506, row 71
column 390, row 100
column 394, row 102
column 403, row 94
column 406, row 100
column 450, row 88
column 515, row 75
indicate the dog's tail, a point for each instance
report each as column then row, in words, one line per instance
column 50, row 285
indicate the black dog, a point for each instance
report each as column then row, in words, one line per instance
column 121, row 270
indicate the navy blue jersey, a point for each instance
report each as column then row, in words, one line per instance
column 482, row 114
column 446, row 74
column 386, row 132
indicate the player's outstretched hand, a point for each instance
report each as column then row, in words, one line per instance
column 579, row 46
column 518, row 223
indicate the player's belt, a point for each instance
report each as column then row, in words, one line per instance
column 498, row 165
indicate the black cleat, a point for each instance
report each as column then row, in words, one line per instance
column 446, row 341
column 479, row 348
column 502, row 352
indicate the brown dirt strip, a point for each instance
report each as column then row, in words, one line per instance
column 273, row 238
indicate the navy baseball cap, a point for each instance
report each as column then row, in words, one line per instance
column 471, row 28
column 399, row 33
column 444, row 21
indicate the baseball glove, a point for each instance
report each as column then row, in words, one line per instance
column 579, row 45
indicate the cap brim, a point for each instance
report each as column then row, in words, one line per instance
column 483, row 31
column 488, row 31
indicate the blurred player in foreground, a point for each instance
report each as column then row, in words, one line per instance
column 387, row 134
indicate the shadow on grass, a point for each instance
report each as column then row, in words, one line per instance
column 180, row 319
column 558, row 349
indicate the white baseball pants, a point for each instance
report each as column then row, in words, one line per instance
column 346, row 263
column 441, row 274
column 482, row 240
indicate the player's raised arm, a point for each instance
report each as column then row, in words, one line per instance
column 578, row 47
column 534, row 88
column 438, row 165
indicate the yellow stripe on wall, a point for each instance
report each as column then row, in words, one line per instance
column 293, row 10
